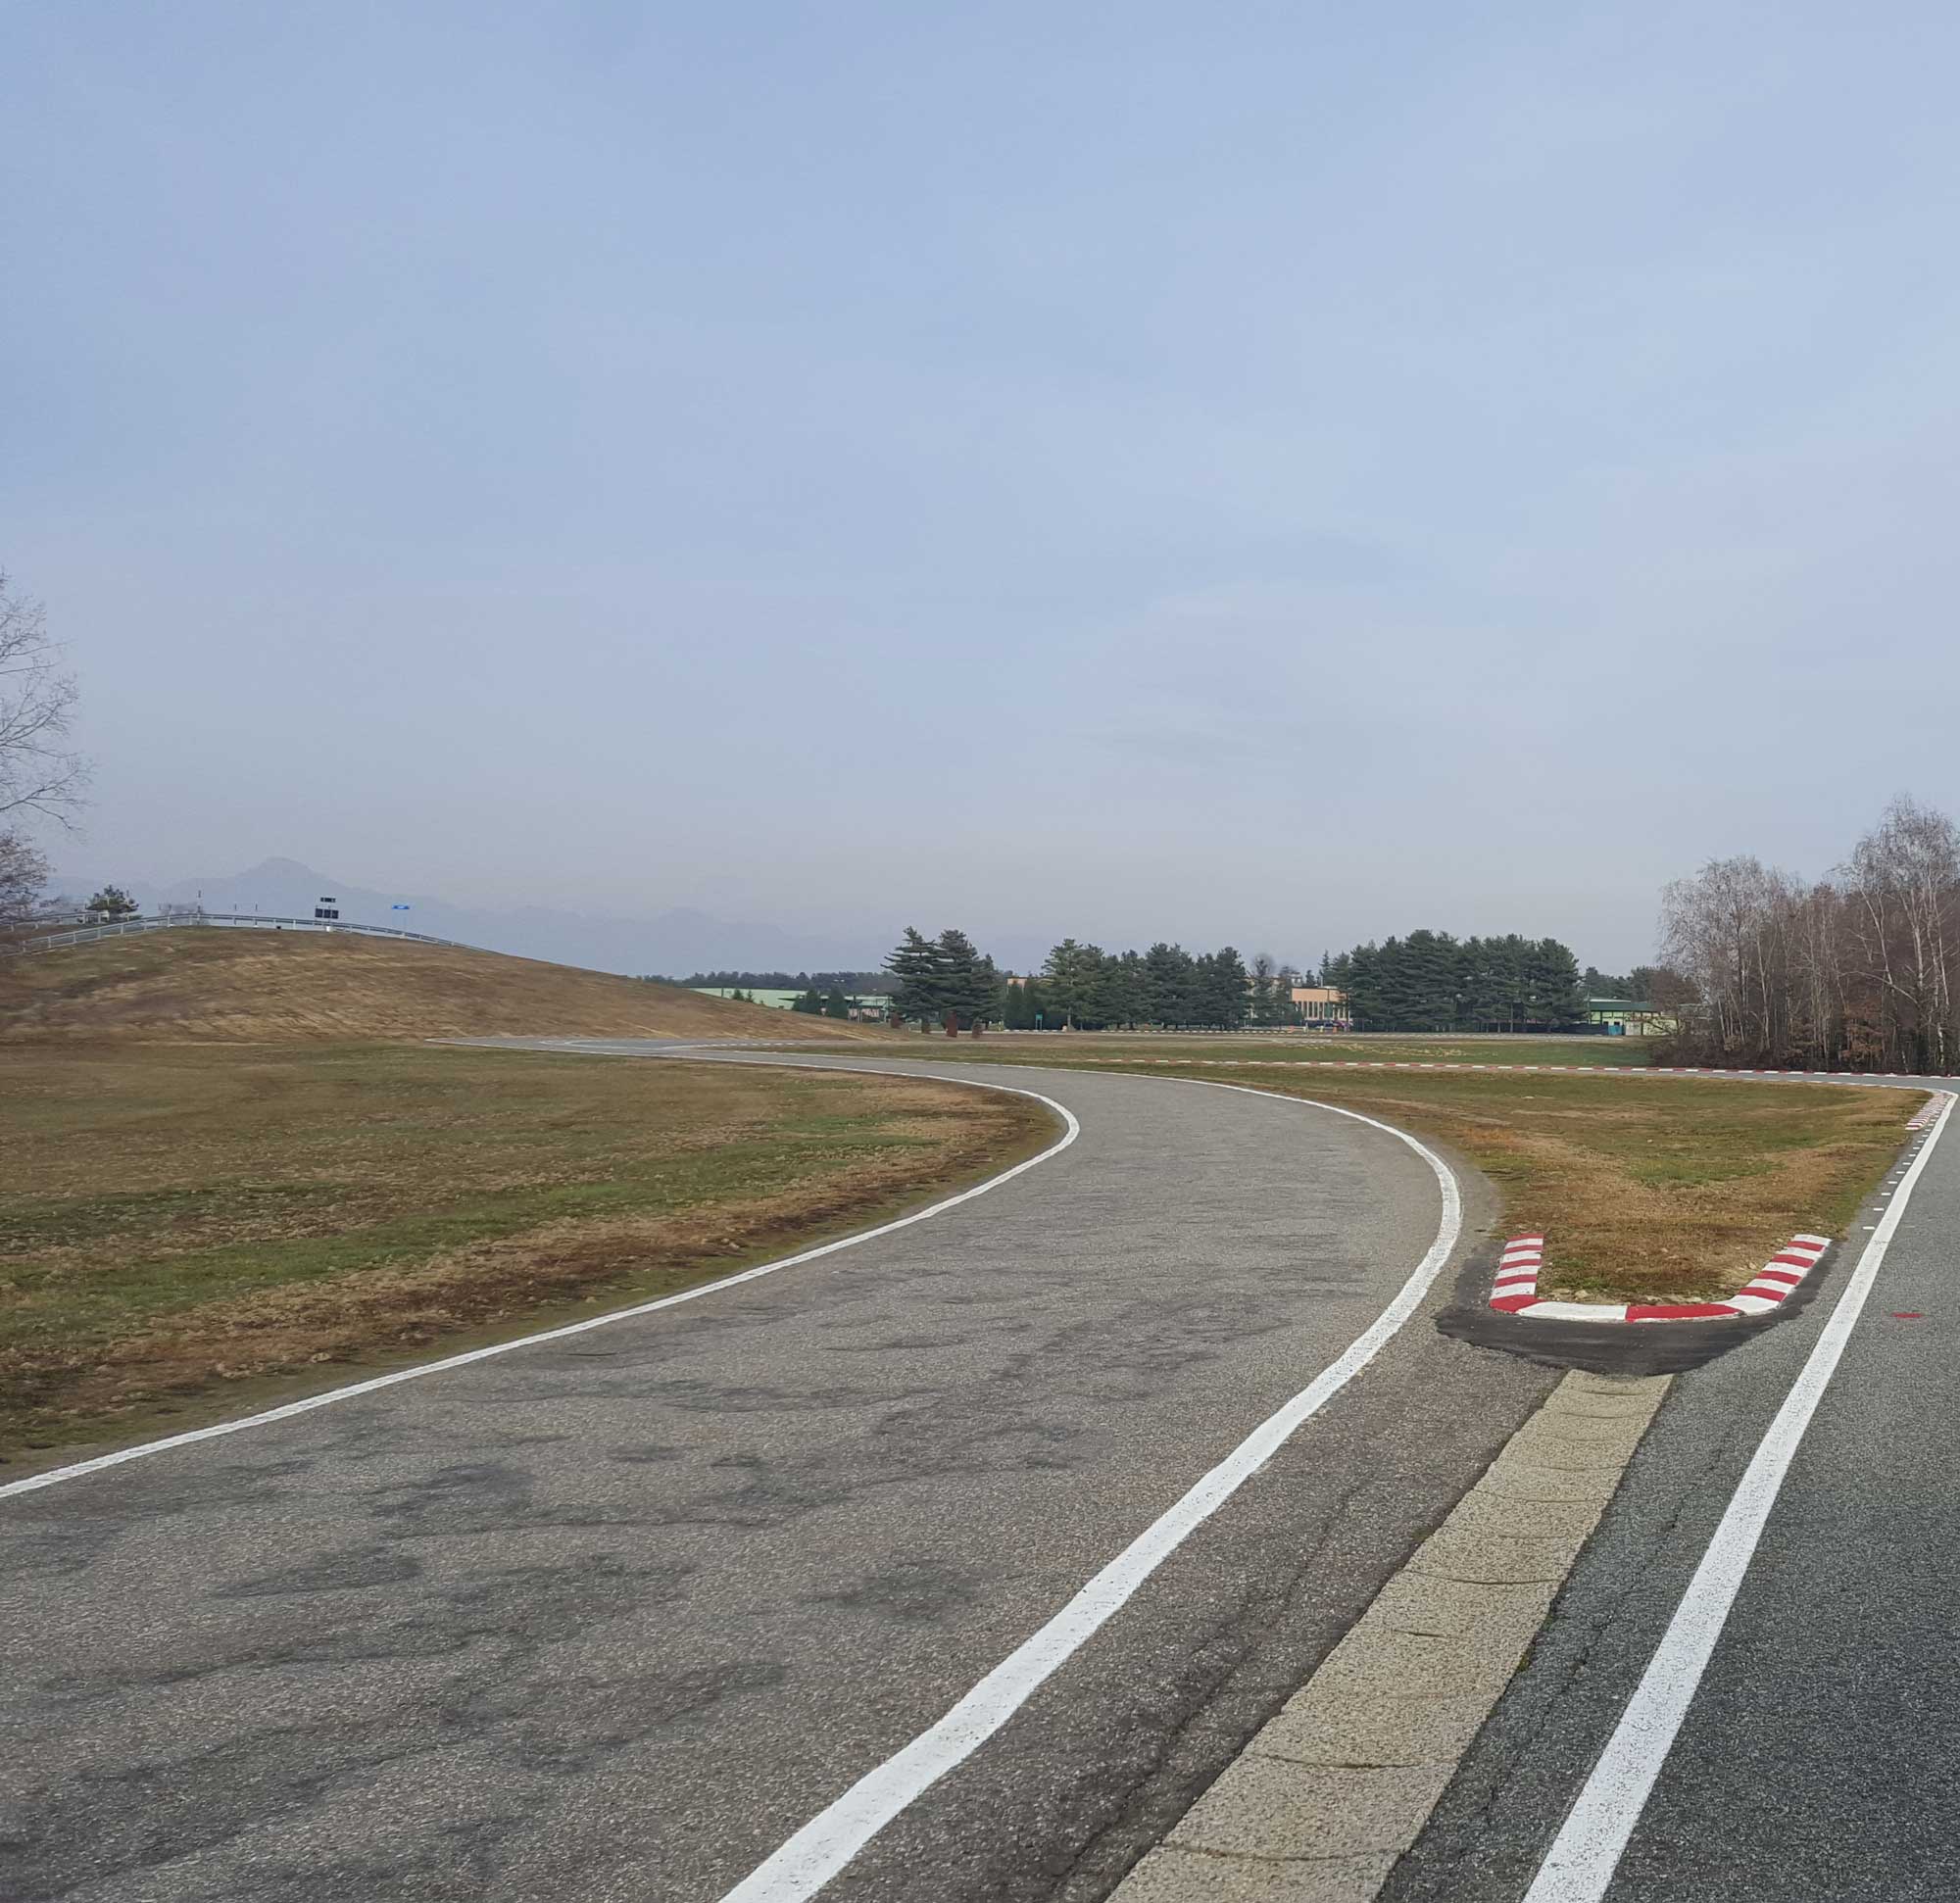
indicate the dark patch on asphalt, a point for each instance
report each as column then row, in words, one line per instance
column 346, row 1571
column 914, row 1591
column 163, row 1809
column 52, row 1552
column 715, row 1397
column 765, row 1495
column 1608, row 1347
column 477, row 1497
column 654, row 1455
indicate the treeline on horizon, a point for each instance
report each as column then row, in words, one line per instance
column 854, row 984
column 1082, row 988
column 1855, row 971
column 1428, row 980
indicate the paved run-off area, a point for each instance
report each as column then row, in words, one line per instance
column 615, row 1616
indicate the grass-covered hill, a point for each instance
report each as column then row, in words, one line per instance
column 258, row 987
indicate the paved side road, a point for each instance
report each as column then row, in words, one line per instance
column 1819, row 1758
column 614, row 1616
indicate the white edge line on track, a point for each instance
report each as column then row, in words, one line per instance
column 1072, row 1129
column 1584, row 1857
column 828, row 1842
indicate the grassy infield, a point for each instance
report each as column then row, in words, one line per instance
column 184, row 1226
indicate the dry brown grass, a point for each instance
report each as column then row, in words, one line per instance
column 179, row 1226
column 257, row 987
column 1652, row 1190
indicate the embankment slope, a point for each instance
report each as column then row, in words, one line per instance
column 260, row 986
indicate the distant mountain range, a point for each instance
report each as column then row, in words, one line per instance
column 670, row 944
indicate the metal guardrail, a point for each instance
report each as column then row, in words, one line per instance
column 231, row 921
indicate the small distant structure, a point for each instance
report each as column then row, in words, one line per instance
column 1322, row 1007
column 183, row 914
column 1629, row 1017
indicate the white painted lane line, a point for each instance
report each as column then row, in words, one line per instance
column 833, row 1838
column 1071, row 1130
column 1587, row 1849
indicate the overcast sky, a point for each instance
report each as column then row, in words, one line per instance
column 1279, row 472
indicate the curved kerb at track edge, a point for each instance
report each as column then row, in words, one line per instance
column 1514, row 1291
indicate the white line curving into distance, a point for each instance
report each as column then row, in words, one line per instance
column 833, row 1838
column 1584, row 1857
column 1071, row 1130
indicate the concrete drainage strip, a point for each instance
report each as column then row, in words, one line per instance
column 1332, row 1790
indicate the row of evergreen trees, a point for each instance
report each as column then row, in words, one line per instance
column 1431, row 981
column 1082, row 987
column 1428, row 980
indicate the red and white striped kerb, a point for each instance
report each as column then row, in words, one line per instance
column 1515, row 1290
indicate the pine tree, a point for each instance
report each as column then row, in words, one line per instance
column 1558, row 997
column 970, row 986
column 1432, row 974
column 989, row 992
column 917, row 990
column 1071, row 972
column 111, row 903
column 836, row 1004
column 1231, row 995
column 1128, row 990
column 1170, row 982
column 1271, row 999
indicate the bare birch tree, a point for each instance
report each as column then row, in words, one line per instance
column 38, row 773
column 23, row 877
column 1858, row 973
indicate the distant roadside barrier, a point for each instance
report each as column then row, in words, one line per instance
column 231, row 921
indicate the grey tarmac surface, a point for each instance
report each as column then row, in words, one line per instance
column 1820, row 1759
column 611, row 1617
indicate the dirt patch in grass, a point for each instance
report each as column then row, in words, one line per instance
column 182, row 1223
column 1647, row 1188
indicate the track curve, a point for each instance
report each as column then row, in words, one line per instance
column 615, row 1614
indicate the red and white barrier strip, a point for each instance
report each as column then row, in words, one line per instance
column 1927, row 1111
column 1515, row 1289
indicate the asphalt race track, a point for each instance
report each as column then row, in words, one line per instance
column 614, row 1616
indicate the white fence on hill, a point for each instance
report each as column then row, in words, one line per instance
column 236, row 921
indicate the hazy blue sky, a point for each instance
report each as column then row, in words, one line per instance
column 1282, row 472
